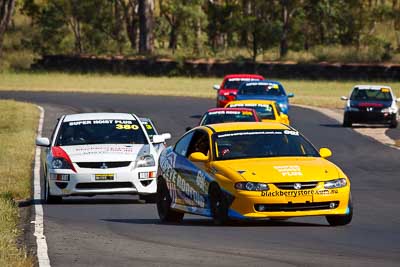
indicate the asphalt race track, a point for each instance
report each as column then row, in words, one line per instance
column 121, row 231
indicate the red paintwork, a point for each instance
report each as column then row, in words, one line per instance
column 227, row 92
column 58, row 152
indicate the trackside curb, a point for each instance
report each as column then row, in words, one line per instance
column 42, row 250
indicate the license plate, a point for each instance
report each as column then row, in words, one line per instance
column 104, row 177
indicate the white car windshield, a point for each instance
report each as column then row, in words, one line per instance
column 100, row 132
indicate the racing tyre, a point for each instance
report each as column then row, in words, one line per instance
column 393, row 123
column 148, row 198
column 339, row 220
column 48, row 197
column 346, row 121
column 219, row 205
column 163, row 200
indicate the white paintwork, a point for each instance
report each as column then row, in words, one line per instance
column 105, row 152
column 42, row 141
column 158, row 139
column 98, row 116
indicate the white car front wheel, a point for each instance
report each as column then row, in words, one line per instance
column 48, row 197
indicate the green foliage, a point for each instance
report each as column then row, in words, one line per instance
column 313, row 30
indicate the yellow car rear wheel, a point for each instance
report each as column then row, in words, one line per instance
column 163, row 200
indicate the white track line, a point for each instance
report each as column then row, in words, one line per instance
column 42, row 255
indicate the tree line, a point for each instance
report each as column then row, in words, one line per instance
column 130, row 27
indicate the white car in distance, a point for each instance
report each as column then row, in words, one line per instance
column 100, row 153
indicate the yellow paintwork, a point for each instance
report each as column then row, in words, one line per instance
column 280, row 117
column 269, row 170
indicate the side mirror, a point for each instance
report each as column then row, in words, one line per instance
column 343, row 98
column 198, row 157
column 158, row 139
column 284, row 118
column 42, row 141
column 325, row 152
column 290, row 95
column 216, row 87
column 166, row 136
column 187, row 129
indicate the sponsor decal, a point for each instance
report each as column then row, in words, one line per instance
column 230, row 112
column 97, row 122
column 299, row 193
column 270, row 85
column 88, row 149
column 201, row 181
column 292, row 170
column 243, row 79
column 369, row 104
column 221, row 112
column 172, row 176
column 255, row 133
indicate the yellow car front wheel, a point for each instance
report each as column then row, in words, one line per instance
column 338, row 220
column 219, row 205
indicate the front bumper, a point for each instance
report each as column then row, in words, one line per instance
column 277, row 203
column 85, row 183
column 370, row 117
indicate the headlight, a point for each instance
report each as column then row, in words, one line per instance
column 251, row 186
column 389, row 110
column 283, row 105
column 337, row 183
column 60, row 163
column 145, row 161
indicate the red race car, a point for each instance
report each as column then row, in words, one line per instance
column 222, row 115
column 228, row 89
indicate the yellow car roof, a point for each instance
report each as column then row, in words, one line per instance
column 239, row 126
column 250, row 101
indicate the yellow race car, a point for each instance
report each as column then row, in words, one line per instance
column 267, row 110
column 250, row 170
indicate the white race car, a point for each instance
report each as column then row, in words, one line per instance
column 100, row 153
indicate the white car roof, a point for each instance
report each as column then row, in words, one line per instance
column 98, row 116
column 144, row 119
column 371, row 87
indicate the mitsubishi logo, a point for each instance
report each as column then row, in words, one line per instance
column 297, row 186
column 104, row 166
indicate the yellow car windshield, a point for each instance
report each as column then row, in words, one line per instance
column 261, row 144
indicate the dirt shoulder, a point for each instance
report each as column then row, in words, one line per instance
column 389, row 137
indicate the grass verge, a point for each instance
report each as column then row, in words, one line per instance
column 18, row 122
column 314, row 93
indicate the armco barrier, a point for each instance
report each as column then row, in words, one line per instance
column 153, row 67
